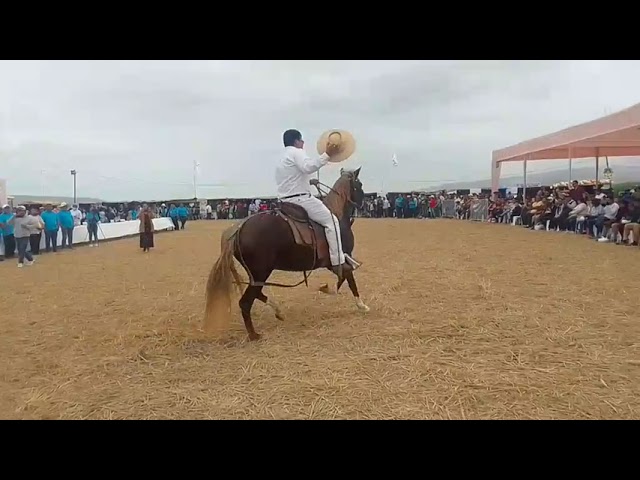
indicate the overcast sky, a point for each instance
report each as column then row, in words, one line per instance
column 132, row 129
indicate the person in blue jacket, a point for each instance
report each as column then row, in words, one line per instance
column 183, row 215
column 51, row 226
column 6, row 231
column 92, row 219
column 173, row 214
column 399, row 206
column 65, row 220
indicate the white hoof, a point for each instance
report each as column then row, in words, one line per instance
column 325, row 289
column 276, row 309
column 361, row 306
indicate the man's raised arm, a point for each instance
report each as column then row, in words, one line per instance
column 310, row 165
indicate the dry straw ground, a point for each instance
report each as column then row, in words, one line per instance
column 467, row 321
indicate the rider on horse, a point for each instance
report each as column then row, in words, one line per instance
column 292, row 177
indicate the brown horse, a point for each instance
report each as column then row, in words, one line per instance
column 282, row 239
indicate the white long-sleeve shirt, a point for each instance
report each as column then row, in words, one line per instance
column 77, row 217
column 293, row 171
column 611, row 211
column 581, row 210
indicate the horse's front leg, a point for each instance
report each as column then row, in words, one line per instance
column 354, row 289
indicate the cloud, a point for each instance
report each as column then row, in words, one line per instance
column 133, row 129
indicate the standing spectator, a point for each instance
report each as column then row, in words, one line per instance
column 399, row 206
column 65, row 218
column 51, row 226
column 92, row 219
column 371, row 206
column 146, row 229
column 164, row 211
column 387, row 207
column 433, row 204
column 173, row 213
column 183, row 215
column 413, row 206
column 36, row 234
column 77, row 216
column 24, row 225
column 210, row 211
column 7, row 232
column 577, row 192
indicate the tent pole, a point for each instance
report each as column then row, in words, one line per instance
column 597, row 164
column 524, row 184
column 570, row 164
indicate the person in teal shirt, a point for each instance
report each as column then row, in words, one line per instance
column 51, row 226
column 413, row 207
column 183, row 215
column 6, row 231
column 399, row 206
column 173, row 214
column 92, row 219
column 65, row 219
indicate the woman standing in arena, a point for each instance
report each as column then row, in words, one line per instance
column 146, row 229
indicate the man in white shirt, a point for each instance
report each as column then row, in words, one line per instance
column 577, row 215
column 77, row 216
column 292, row 177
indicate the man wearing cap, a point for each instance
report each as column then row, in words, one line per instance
column 24, row 226
column 292, row 177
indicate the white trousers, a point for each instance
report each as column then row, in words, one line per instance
column 319, row 213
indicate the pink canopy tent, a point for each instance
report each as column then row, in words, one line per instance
column 616, row 135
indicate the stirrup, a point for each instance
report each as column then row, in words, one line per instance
column 354, row 264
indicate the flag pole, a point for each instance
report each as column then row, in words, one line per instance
column 195, row 179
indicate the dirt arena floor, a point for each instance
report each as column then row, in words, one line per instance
column 467, row 321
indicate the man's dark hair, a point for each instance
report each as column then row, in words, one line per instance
column 290, row 136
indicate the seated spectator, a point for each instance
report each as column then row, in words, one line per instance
column 576, row 215
column 496, row 211
column 513, row 209
column 546, row 213
column 595, row 216
column 526, row 213
column 633, row 225
column 537, row 208
column 603, row 225
column 623, row 217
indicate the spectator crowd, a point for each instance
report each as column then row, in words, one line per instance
column 599, row 215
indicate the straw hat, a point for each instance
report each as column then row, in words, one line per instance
column 339, row 137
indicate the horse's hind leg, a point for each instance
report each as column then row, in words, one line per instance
column 276, row 308
column 246, row 302
column 354, row 289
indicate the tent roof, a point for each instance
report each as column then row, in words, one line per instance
column 616, row 135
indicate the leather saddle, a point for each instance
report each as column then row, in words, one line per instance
column 306, row 232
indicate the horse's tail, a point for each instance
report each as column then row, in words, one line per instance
column 217, row 315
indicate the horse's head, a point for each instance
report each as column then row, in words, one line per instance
column 356, row 193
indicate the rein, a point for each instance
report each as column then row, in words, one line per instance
column 348, row 200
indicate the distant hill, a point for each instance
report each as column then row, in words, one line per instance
column 20, row 199
column 621, row 174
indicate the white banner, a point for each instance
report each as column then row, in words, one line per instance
column 109, row 231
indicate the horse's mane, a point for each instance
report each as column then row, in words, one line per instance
column 337, row 199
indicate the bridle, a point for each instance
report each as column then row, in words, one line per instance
column 324, row 194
